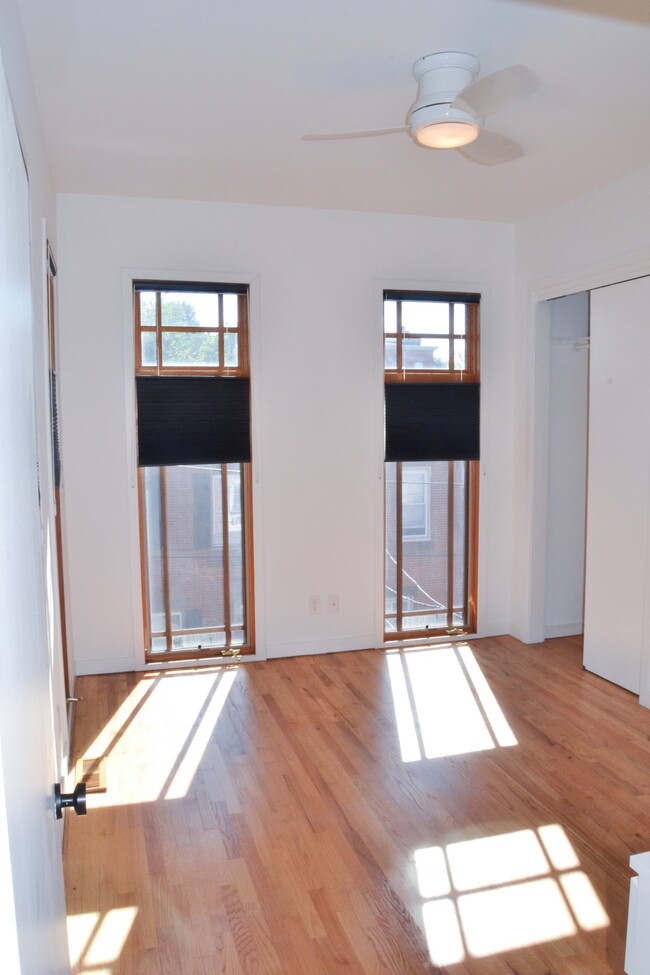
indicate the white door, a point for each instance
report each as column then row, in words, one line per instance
column 618, row 481
column 32, row 903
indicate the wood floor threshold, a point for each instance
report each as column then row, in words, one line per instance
column 467, row 809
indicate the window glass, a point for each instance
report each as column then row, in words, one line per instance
column 182, row 309
column 415, row 502
column 230, row 311
column 231, row 349
column 459, row 319
column 390, row 353
column 190, row 349
column 425, row 354
column 426, row 317
column 390, row 316
column 147, row 307
column 149, row 349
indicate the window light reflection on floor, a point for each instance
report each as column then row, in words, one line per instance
column 197, row 742
column 180, row 710
column 500, row 893
column 443, row 703
column 98, row 941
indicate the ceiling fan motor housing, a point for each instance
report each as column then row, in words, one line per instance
column 441, row 77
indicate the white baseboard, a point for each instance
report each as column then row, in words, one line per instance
column 494, row 629
column 562, row 629
column 302, row 648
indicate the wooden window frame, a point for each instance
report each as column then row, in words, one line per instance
column 169, row 653
column 471, row 373
column 242, row 369
column 221, row 330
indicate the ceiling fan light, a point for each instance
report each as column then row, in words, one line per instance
column 441, row 126
column 447, row 135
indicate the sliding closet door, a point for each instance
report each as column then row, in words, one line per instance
column 618, row 481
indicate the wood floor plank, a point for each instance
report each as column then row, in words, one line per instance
column 263, row 819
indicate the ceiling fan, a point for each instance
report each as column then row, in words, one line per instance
column 451, row 104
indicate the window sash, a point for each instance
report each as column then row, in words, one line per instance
column 404, row 371
column 158, row 330
column 163, row 643
column 455, row 611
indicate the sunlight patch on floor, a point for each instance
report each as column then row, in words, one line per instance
column 155, row 741
column 197, row 743
column 515, row 916
column 443, row 703
column 500, row 893
column 96, row 942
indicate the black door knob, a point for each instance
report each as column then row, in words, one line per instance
column 70, row 800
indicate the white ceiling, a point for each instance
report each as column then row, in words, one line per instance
column 208, row 99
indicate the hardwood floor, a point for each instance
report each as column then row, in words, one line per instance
column 468, row 810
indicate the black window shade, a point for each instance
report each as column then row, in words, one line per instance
column 432, row 421
column 433, row 296
column 193, row 420
column 194, row 287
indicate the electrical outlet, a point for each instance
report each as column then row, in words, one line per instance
column 333, row 604
column 313, row 605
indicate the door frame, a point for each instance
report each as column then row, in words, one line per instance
column 137, row 657
column 603, row 274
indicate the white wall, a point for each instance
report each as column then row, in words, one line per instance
column 317, row 404
column 567, row 464
column 598, row 239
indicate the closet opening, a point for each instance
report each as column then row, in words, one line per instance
column 566, row 488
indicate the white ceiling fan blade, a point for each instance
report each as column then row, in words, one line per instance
column 353, row 135
column 492, row 149
column 497, row 91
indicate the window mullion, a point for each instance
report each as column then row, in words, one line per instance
column 222, row 355
column 467, row 588
column 450, row 544
column 159, row 350
column 451, row 337
column 165, row 557
column 399, row 584
column 226, row 554
column 246, row 519
column 399, row 355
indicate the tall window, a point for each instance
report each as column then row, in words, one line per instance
column 431, row 362
column 192, row 382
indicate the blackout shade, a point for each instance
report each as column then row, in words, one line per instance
column 193, row 420
column 433, row 296
column 432, row 421
column 195, row 287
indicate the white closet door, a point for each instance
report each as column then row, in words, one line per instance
column 618, row 481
